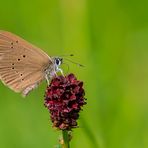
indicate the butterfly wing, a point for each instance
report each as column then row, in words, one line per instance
column 22, row 65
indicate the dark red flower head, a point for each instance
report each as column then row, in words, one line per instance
column 64, row 99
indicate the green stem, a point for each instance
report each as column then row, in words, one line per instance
column 65, row 139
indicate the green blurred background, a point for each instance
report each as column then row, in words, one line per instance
column 111, row 39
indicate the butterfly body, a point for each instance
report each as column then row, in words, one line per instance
column 22, row 65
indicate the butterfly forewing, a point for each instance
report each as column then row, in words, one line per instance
column 21, row 64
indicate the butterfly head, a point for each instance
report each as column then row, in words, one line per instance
column 58, row 61
column 54, row 68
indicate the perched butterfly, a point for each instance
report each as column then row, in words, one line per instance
column 22, row 65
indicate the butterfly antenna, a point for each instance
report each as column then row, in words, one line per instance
column 67, row 55
column 78, row 64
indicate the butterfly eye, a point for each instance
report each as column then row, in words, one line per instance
column 57, row 61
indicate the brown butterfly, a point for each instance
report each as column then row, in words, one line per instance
column 22, row 65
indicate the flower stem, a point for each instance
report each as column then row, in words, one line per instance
column 65, row 139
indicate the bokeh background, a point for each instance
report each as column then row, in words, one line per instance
column 111, row 39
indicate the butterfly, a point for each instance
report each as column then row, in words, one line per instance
column 22, row 65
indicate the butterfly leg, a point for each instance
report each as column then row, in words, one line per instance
column 59, row 70
column 49, row 75
column 47, row 78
